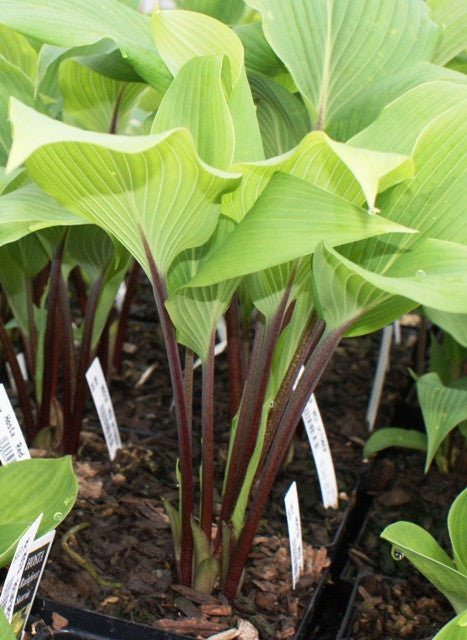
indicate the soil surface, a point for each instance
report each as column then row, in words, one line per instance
column 113, row 554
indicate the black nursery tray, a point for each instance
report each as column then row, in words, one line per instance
column 88, row 625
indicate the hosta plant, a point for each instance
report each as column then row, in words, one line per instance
column 300, row 174
column 448, row 575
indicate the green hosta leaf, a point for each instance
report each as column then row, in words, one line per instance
column 16, row 49
column 333, row 47
column 322, row 162
column 31, row 487
column 196, row 100
column 196, row 311
column 228, row 11
column 9, row 180
column 456, row 523
column 371, row 100
column 432, row 272
column 394, row 437
column 453, row 323
column 181, row 36
column 29, row 209
column 429, row 558
column 20, row 261
column 6, row 632
column 443, row 408
column 453, row 630
column 259, row 56
column 400, row 124
column 67, row 23
column 14, row 83
column 345, row 297
column 288, row 221
column 451, row 15
column 92, row 101
column 282, row 117
column 142, row 190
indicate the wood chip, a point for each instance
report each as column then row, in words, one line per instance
column 193, row 594
column 228, row 634
column 216, row 610
column 247, row 630
column 58, row 621
column 195, row 626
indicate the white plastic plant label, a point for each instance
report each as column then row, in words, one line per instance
column 16, row 570
column 321, row 451
column 104, row 407
column 21, row 360
column 382, row 367
column 221, row 345
column 13, row 446
column 29, row 583
column 294, row 526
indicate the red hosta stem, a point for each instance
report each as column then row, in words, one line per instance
column 251, row 408
column 124, row 314
column 52, row 339
column 10, row 355
column 183, row 426
column 68, row 362
column 71, row 435
column 234, row 356
column 80, row 287
column 207, row 422
column 313, row 371
column 188, row 385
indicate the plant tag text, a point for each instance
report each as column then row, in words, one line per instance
column 16, row 570
column 30, row 579
column 321, row 452
column 13, row 446
column 292, row 511
column 104, row 407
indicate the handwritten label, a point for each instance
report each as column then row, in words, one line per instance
column 13, row 446
column 16, row 570
column 294, row 526
column 321, row 453
column 104, row 407
column 29, row 583
column 380, row 374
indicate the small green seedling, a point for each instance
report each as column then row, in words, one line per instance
column 449, row 576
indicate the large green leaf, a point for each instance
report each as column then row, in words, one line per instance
column 14, row 83
column 259, row 56
column 67, row 23
column 451, row 15
column 282, row 116
column 16, row 49
column 431, row 272
column 92, row 101
column 196, row 100
column 333, row 48
column 144, row 190
column 454, row 629
column 443, row 409
column 28, row 488
column 29, row 209
column 457, row 518
column 454, row 323
column 196, row 311
column 6, row 632
column 325, row 164
column 430, row 559
column 288, row 221
column 228, row 11
column 181, row 36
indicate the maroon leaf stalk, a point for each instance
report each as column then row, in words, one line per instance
column 277, row 448
column 207, row 429
column 181, row 415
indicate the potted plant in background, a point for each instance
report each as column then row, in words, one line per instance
column 237, row 210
